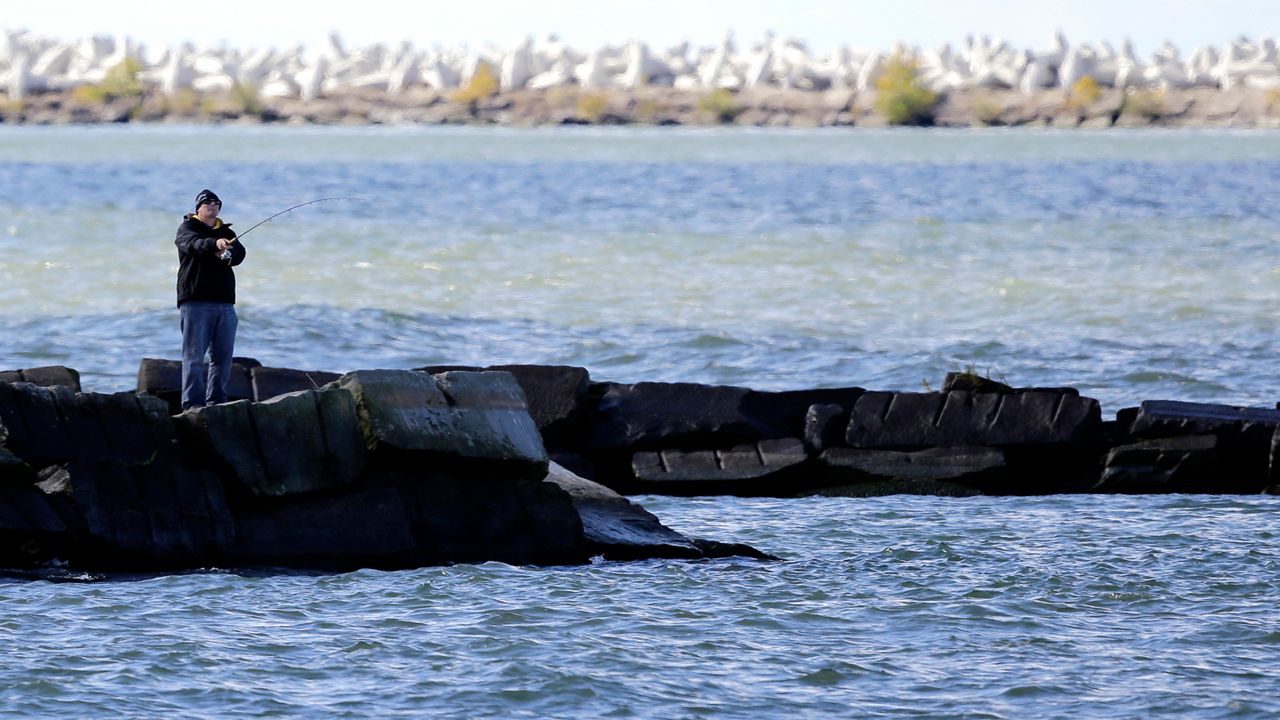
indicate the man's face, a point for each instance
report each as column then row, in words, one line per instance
column 208, row 211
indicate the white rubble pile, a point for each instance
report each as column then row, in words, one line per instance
column 30, row 63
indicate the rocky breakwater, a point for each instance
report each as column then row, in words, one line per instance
column 379, row 468
column 775, row 80
column 975, row 436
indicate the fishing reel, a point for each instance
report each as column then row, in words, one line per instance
column 225, row 255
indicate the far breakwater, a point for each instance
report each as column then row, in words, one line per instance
column 771, row 107
column 774, row 82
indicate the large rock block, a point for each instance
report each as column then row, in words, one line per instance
column 555, row 395
column 452, row 417
column 784, row 413
column 920, row 420
column 52, row 425
column 1186, row 464
column 274, row 382
column 481, row 517
column 352, row 528
column 163, row 379
column 297, row 443
column 953, row 471
column 617, row 529
column 651, row 416
column 824, row 426
column 48, row 376
column 1052, row 440
column 13, row 471
column 31, row 531
column 143, row 517
column 654, row 416
column 770, row 468
column 1244, row 437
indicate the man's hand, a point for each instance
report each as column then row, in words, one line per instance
column 225, row 245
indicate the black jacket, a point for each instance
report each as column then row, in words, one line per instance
column 202, row 275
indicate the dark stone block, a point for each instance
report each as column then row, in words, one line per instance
column 303, row 449
column 110, row 507
column 614, row 527
column 351, row 528
column 954, row 471
column 920, row 420
column 142, row 517
column 88, row 440
column 824, row 427
column 453, row 417
column 1125, row 418
column 781, row 451
column 49, row 376
column 36, row 431
column 13, row 471
column 559, row 534
column 689, row 464
column 224, row 436
column 650, row 416
column 12, row 426
column 163, row 379
column 1170, row 418
column 55, row 425
column 490, row 518
column 273, row 382
column 783, row 413
column 1244, row 436
column 1186, row 464
column 136, row 428
column 31, row 531
column 770, row 467
column 554, row 394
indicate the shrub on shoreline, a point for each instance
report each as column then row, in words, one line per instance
column 482, row 85
column 121, row 81
column 721, row 105
column 1084, row 92
column 1146, row 104
column 900, row 95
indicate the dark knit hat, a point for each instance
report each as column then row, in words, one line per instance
column 207, row 196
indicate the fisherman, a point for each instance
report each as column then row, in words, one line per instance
column 207, row 250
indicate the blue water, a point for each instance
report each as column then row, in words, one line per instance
column 1132, row 265
column 1065, row 607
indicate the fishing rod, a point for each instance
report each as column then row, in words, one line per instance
column 226, row 254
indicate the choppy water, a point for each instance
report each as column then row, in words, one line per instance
column 1063, row 607
column 1131, row 265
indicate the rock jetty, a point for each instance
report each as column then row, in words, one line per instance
column 378, row 468
column 529, row 463
column 774, row 81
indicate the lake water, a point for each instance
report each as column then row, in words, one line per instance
column 1131, row 265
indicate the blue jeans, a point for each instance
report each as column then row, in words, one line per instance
column 206, row 327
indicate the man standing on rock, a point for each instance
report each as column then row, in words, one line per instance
column 207, row 250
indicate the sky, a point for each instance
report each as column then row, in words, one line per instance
column 586, row 24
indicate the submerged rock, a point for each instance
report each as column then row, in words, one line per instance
column 937, row 471
column 614, row 527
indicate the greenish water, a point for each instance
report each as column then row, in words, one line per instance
column 1130, row 265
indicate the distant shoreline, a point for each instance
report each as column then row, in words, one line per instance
column 662, row 106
